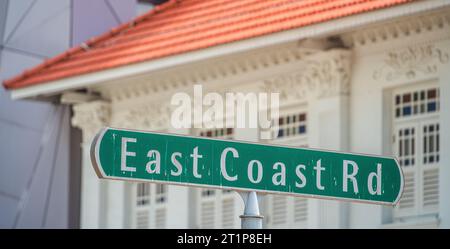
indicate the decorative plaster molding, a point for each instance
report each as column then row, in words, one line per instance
column 151, row 116
column 421, row 26
column 324, row 77
column 90, row 117
column 411, row 61
column 211, row 71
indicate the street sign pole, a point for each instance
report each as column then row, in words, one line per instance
column 251, row 219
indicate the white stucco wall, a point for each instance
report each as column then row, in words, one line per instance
column 370, row 103
column 356, row 118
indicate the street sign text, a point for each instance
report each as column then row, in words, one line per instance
column 169, row 158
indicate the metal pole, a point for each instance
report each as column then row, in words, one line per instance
column 251, row 219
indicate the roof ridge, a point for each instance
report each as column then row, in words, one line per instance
column 90, row 42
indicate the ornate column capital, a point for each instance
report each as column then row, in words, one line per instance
column 90, row 117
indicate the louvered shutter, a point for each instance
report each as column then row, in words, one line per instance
column 207, row 216
column 142, row 220
column 160, row 217
column 279, row 210
column 150, row 205
column 300, row 210
column 406, row 151
column 416, row 145
column 430, row 169
column 228, row 213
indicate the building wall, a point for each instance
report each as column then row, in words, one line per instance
column 35, row 170
column 347, row 93
column 416, row 58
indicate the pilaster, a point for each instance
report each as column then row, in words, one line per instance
column 90, row 117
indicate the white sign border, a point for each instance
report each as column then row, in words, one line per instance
column 95, row 160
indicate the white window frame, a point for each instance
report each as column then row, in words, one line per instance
column 155, row 210
column 418, row 121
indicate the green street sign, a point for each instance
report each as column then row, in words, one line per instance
column 243, row 166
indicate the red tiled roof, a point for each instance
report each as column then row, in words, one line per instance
column 181, row 26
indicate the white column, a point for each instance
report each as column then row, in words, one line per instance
column 90, row 117
column 444, row 170
column 328, row 129
column 90, row 192
column 115, row 204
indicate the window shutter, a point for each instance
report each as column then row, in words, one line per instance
column 300, row 209
column 431, row 188
column 430, row 149
column 416, row 145
column 408, row 200
column 142, row 219
column 207, row 214
column 228, row 213
column 160, row 218
column 279, row 209
column 142, row 205
column 150, row 205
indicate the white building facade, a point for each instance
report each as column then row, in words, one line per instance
column 378, row 83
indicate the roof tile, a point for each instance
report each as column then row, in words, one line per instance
column 180, row 26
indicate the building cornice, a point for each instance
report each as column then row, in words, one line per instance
column 223, row 72
column 420, row 28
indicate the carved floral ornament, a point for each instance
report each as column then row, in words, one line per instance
column 152, row 116
column 410, row 62
column 322, row 78
column 90, row 117
column 149, row 116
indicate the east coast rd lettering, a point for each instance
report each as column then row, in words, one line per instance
column 193, row 161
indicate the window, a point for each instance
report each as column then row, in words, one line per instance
column 207, row 192
column 143, row 194
column 150, row 205
column 287, row 211
column 416, row 102
column 161, row 192
column 217, row 208
column 291, row 125
column 224, row 133
column 416, row 145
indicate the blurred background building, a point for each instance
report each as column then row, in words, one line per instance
column 364, row 76
column 40, row 166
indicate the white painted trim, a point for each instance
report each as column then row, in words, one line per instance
column 321, row 29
